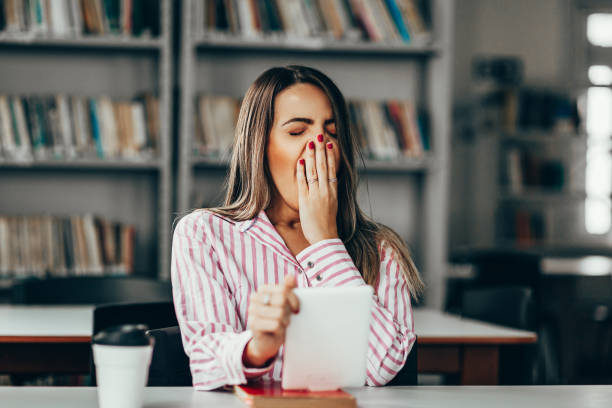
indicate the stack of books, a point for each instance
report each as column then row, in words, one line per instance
column 215, row 121
column 526, row 169
column 70, row 127
column 387, row 130
column 45, row 245
column 525, row 227
column 399, row 21
column 74, row 18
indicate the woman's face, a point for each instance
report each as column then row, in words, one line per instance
column 301, row 112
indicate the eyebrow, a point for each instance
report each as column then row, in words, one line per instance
column 307, row 120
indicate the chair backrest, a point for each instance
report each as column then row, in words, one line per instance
column 506, row 306
column 169, row 364
column 91, row 290
column 154, row 314
column 408, row 374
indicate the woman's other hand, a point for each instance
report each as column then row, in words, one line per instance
column 270, row 312
column 318, row 190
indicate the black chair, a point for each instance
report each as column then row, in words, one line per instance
column 506, row 306
column 154, row 314
column 169, row 364
column 511, row 307
column 90, row 290
column 409, row 373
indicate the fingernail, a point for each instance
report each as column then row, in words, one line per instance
column 311, row 145
column 330, row 145
column 301, row 161
column 320, row 138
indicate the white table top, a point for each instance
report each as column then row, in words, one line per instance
column 414, row 397
column 46, row 321
column 434, row 326
column 76, row 321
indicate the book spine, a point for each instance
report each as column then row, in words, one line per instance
column 95, row 127
column 396, row 14
column 25, row 151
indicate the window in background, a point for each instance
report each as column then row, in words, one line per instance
column 599, row 29
column 598, row 205
column 600, row 75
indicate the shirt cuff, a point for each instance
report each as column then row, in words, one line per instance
column 252, row 372
column 328, row 263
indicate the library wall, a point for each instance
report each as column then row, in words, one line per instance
column 536, row 31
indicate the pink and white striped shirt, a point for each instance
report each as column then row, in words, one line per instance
column 217, row 264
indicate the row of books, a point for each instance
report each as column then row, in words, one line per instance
column 402, row 21
column 528, row 169
column 67, row 127
column 73, row 18
column 525, row 227
column 386, row 129
column 389, row 129
column 46, row 245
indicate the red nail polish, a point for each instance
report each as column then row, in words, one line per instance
column 302, row 161
column 330, row 145
column 320, row 138
column 311, row 144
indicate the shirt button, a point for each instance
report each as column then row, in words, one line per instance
column 299, row 270
column 319, row 277
column 310, row 264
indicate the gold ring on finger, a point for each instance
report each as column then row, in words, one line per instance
column 333, row 180
column 312, row 180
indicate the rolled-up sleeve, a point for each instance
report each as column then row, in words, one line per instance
column 328, row 263
column 211, row 330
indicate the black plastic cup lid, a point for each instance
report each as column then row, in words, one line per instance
column 124, row 335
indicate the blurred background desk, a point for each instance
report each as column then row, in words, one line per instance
column 450, row 344
column 45, row 339
column 56, row 339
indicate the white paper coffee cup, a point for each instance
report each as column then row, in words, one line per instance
column 122, row 355
column 121, row 373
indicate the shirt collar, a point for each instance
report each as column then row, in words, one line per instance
column 244, row 226
column 262, row 229
column 261, row 219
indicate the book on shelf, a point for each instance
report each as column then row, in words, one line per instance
column 270, row 394
column 75, row 18
column 525, row 169
column 389, row 21
column 387, row 130
column 216, row 119
column 524, row 226
column 45, row 245
column 42, row 127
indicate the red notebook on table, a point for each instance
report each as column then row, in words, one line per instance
column 271, row 395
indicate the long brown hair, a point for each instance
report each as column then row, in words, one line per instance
column 249, row 184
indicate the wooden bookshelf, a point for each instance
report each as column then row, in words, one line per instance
column 136, row 191
column 105, row 42
column 313, row 45
column 108, row 164
column 408, row 165
column 226, row 65
column 534, row 195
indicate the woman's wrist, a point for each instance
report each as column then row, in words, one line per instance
column 323, row 237
column 251, row 358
